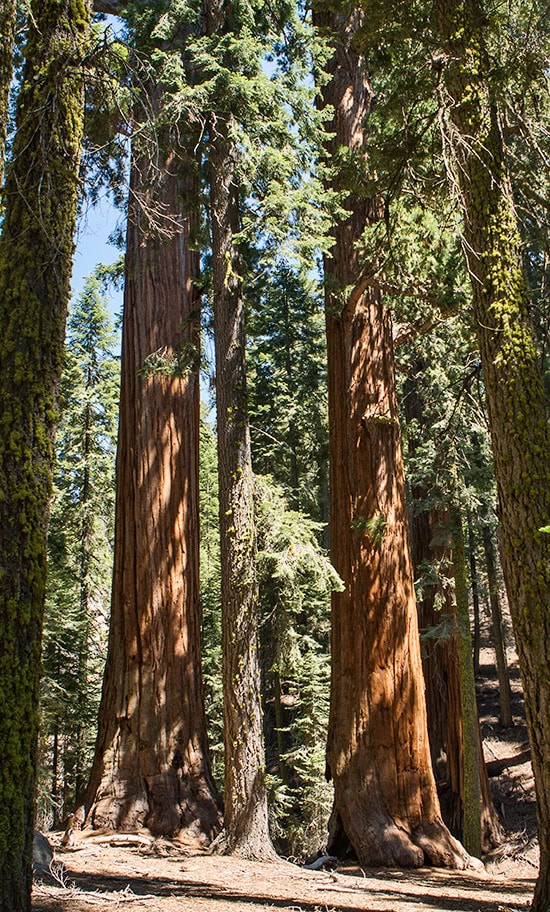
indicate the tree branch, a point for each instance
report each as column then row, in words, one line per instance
column 110, row 7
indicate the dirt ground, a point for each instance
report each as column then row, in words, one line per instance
column 158, row 875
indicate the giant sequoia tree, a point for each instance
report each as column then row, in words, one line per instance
column 36, row 250
column 378, row 753
column 151, row 765
column 513, row 382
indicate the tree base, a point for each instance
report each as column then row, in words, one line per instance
column 387, row 845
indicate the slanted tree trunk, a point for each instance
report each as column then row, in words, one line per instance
column 504, row 689
column 518, row 418
column 151, row 766
column 378, row 752
column 245, row 800
column 36, row 249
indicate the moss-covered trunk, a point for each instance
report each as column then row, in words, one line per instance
column 8, row 9
column 378, row 751
column 36, row 250
column 517, row 410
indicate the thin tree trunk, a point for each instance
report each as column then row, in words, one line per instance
column 245, row 800
column 36, row 249
column 86, row 545
column 504, row 689
column 518, row 418
column 151, row 765
column 55, row 777
column 471, row 827
column 476, row 638
column 378, row 752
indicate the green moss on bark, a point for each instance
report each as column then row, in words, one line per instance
column 513, row 381
column 36, row 250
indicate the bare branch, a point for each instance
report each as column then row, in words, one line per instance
column 402, row 332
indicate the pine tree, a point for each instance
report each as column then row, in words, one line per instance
column 296, row 580
column 79, row 547
column 36, row 250
column 287, row 353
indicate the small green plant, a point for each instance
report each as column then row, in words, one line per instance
column 373, row 526
column 166, row 363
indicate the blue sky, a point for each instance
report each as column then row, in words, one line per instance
column 92, row 247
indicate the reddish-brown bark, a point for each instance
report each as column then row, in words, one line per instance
column 378, row 750
column 441, row 666
column 151, row 764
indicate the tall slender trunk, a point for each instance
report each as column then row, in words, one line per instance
column 504, row 689
column 86, row 545
column 36, row 249
column 245, row 800
column 476, row 637
column 151, row 765
column 518, row 418
column 378, row 752
column 8, row 11
column 471, row 827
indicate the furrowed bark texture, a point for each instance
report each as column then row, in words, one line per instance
column 151, row 766
column 245, row 820
column 36, row 249
column 378, row 751
column 517, row 410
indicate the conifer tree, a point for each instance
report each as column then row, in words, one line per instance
column 151, row 766
column 287, row 353
column 36, row 248
column 515, row 394
column 79, row 547
column 377, row 730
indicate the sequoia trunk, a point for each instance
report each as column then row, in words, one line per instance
column 36, row 249
column 378, row 751
column 151, row 766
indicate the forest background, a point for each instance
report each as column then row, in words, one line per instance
column 258, row 190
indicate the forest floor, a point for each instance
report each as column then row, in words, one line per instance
column 100, row 877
